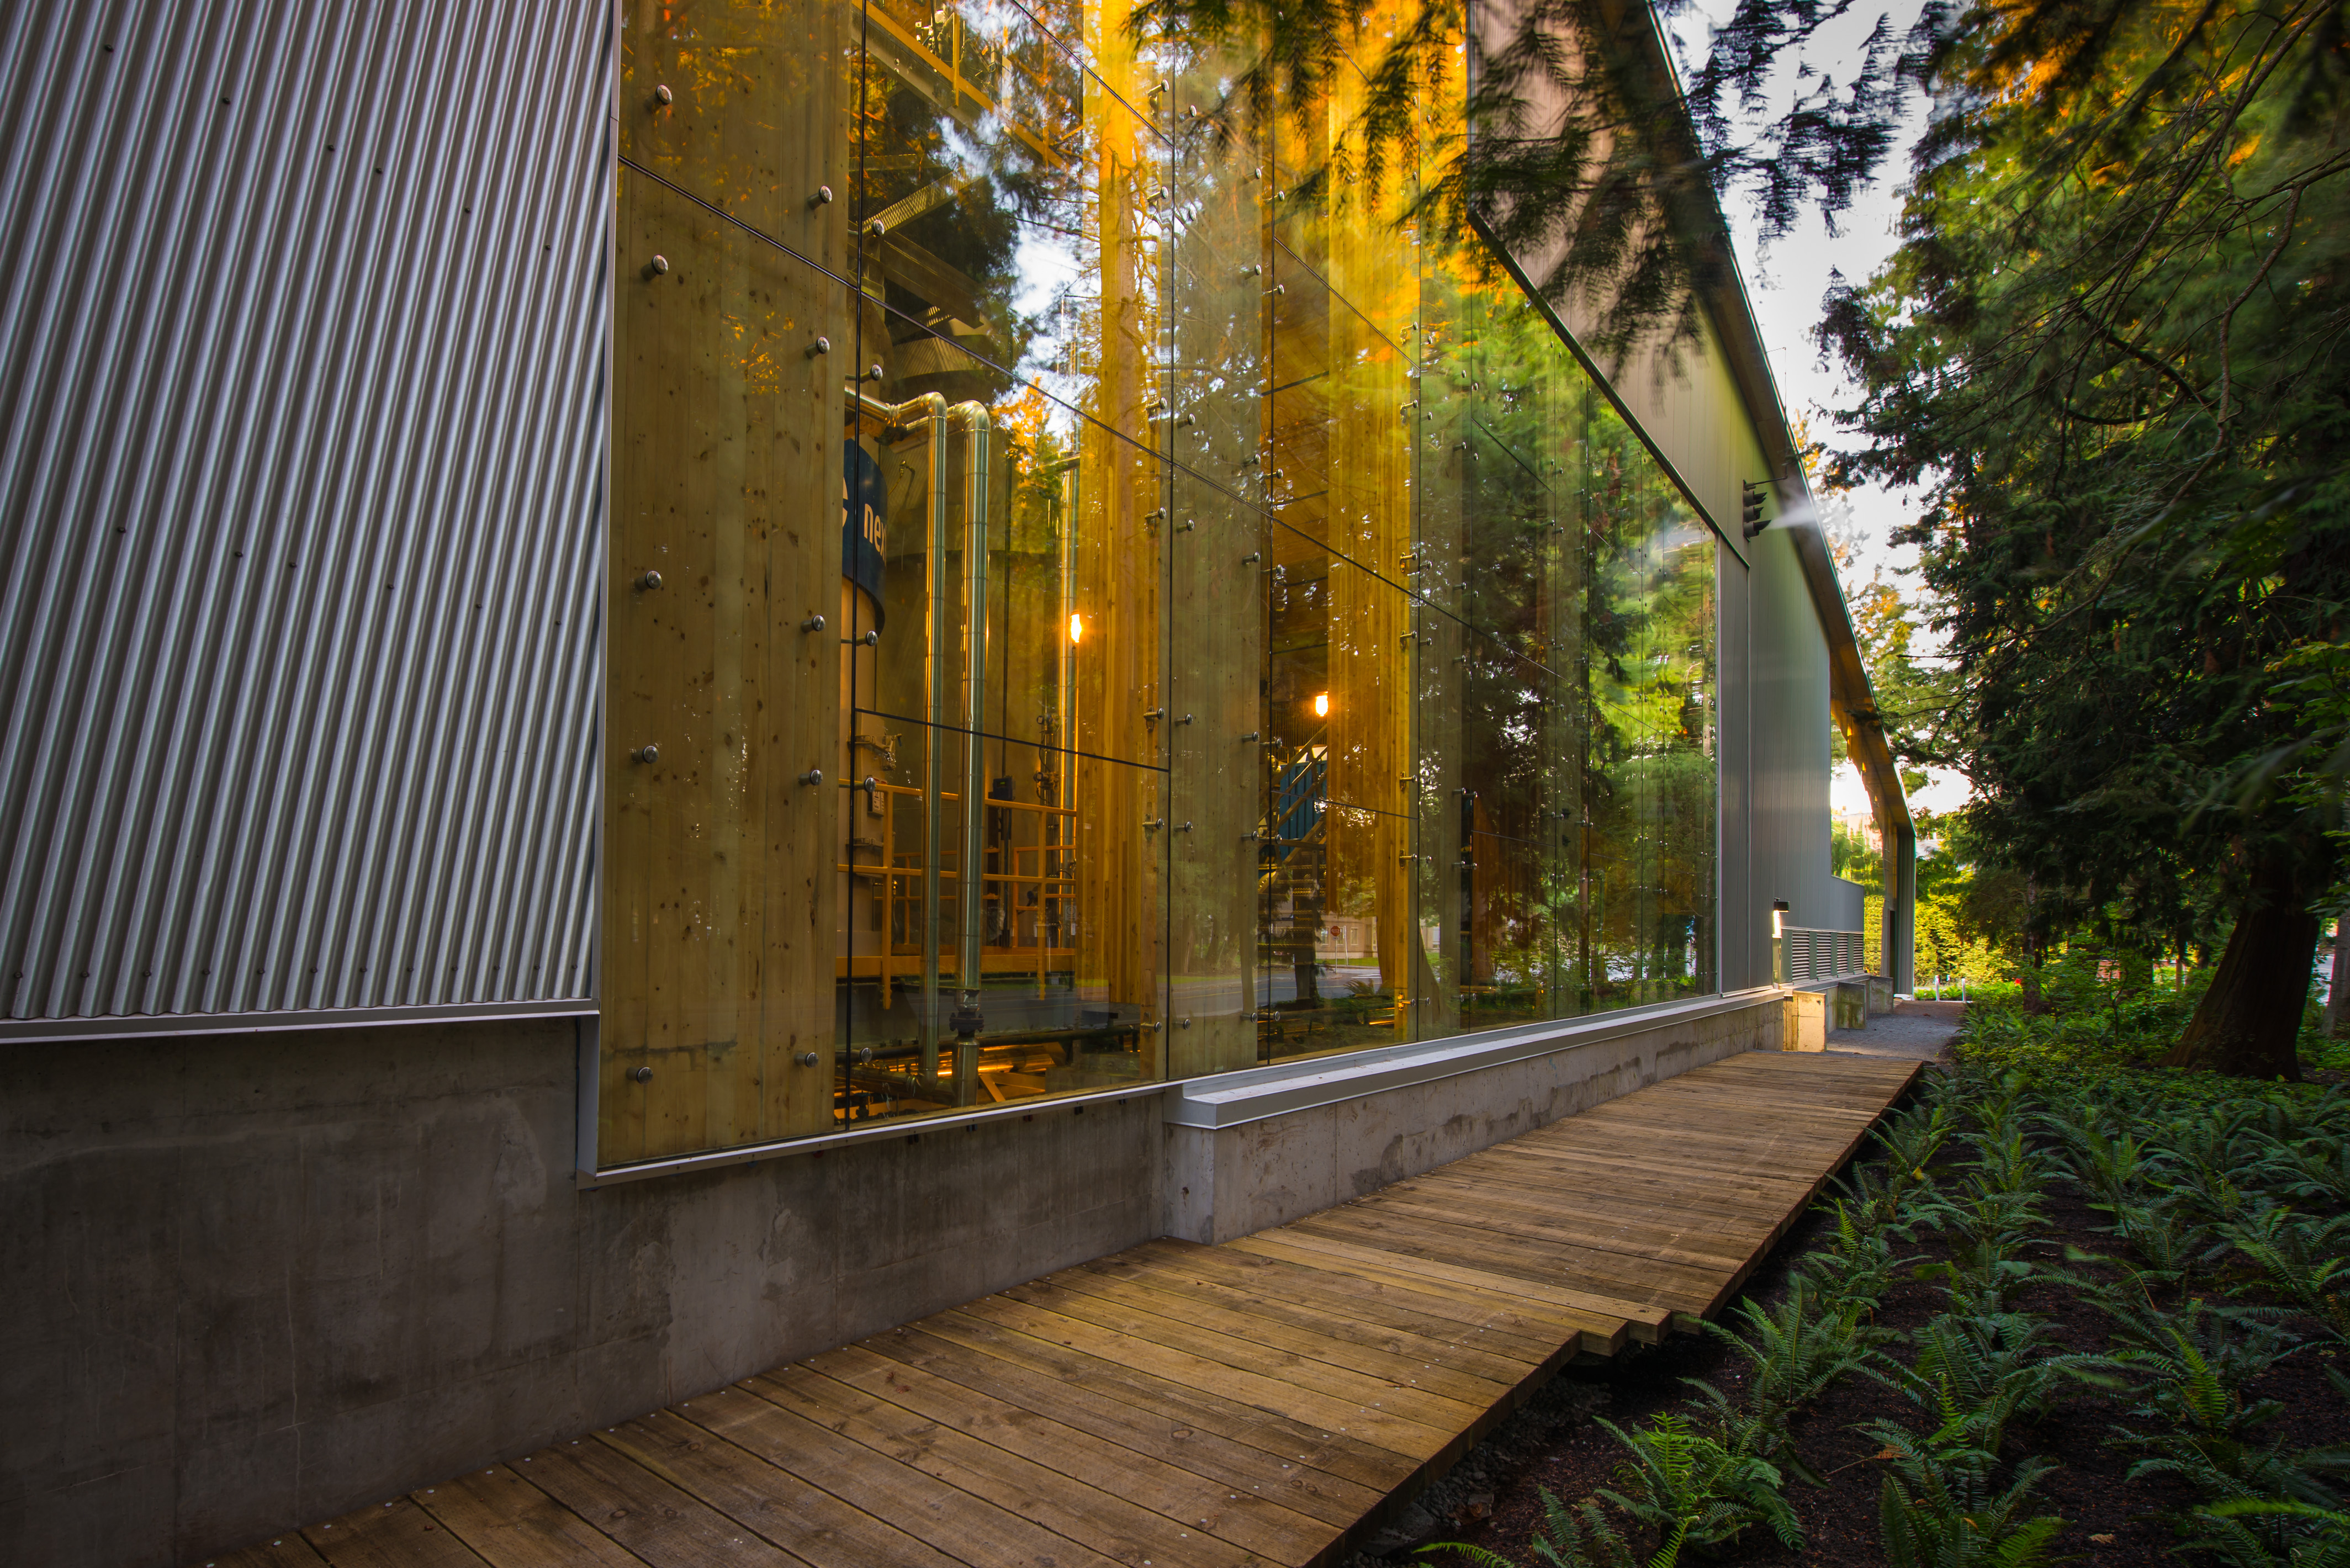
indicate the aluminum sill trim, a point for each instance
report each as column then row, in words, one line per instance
column 153, row 1025
column 1258, row 1093
column 902, row 1132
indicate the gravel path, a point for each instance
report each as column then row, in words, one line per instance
column 1920, row 1030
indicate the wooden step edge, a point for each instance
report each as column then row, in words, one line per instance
column 1645, row 1323
column 1599, row 1333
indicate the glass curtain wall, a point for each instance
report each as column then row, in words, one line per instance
column 1095, row 595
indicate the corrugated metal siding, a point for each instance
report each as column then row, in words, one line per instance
column 304, row 331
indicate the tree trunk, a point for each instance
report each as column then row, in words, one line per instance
column 2336, row 1016
column 2035, row 955
column 2246, row 1023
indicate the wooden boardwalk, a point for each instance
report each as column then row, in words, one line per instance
column 1177, row 1404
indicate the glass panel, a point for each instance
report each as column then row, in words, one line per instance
column 1010, row 696
column 744, row 105
column 1650, row 777
column 1078, row 543
column 1335, row 837
column 1250, row 637
column 717, row 703
column 1042, row 987
column 1507, row 954
column 1011, row 201
column 1224, row 289
column 1517, row 370
column 1215, row 634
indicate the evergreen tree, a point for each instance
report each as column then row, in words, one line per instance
column 2111, row 348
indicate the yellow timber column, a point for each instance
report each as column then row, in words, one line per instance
column 1372, row 265
column 1443, row 471
column 717, row 874
column 1215, row 633
column 1121, row 796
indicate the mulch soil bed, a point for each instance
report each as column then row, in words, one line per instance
column 2108, row 1520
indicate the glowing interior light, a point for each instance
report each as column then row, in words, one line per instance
column 1322, row 704
column 1077, row 628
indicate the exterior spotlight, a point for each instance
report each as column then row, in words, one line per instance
column 1322, row 704
column 1076, row 629
column 1778, row 916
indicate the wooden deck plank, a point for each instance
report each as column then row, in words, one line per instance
column 1541, row 1184
column 1565, row 1170
column 1305, row 1327
column 1690, row 1244
column 1617, row 1276
column 1199, row 1407
column 1247, row 1518
column 1259, row 1353
column 1429, row 1366
column 396, row 1534
column 1498, row 1331
column 964, row 1526
column 1696, row 1245
column 514, row 1524
column 287, row 1550
column 1576, row 1311
column 1067, row 1505
column 1130, row 1423
column 1339, row 1455
column 803, row 1519
column 662, row 1524
column 1411, row 1441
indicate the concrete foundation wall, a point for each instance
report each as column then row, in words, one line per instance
column 251, row 1282
column 1253, row 1172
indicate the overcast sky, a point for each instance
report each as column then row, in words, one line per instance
column 1786, row 284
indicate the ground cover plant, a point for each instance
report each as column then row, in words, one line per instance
column 2057, row 1316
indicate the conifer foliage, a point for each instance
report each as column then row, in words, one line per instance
column 2111, row 348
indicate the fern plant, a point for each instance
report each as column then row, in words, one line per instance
column 1975, row 1374
column 1692, row 1490
column 1799, row 1348
column 2112, row 1166
column 2006, row 1162
column 1984, row 1278
column 2190, row 1367
column 1911, row 1139
column 1695, row 1492
column 1581, row 1538
column 1854, row 1263
column 1952, row 1522
column 2317, row 1537
column 2165, row 1242
column 1983, row 1210
column 1876, row 1197
column 2318, row 1170
column 2302, row 1258
column 2225, row 1467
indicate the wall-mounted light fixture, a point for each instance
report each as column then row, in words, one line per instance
column 1322, row 704
column 1076, row 629
column 1778, row 916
